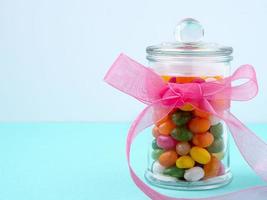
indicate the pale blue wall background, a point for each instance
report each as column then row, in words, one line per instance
column 54, row 53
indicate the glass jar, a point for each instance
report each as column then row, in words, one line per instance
column 189, row 148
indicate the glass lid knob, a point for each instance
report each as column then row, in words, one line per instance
column 189, row 31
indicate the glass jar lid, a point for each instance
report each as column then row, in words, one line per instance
column 188, row 44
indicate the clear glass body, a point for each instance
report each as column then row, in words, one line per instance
column 189, row 149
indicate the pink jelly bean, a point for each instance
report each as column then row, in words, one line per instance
column 198, row 80
column 166, row 142
column 172, row 80
column 222, row 170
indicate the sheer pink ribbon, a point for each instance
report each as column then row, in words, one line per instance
column 142, row 83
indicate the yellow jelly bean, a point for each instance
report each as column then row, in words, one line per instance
column 187, row 107
column 200, row 155
column 185, row 162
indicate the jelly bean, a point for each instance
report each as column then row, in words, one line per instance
column 210, row 79
column 219, row 155
column 217, row 146
column 201, row 113
column 162, row 120
column 154, row 144
column 180, row 117
column 166, row 78
column 203, row 139
column 187, row 107
column 212, row 168
column 194, row 174
column 166, row 127
column 174, row 172
column 168, row 158
column 198, row 80
column 157, row 168
column 155, row 131
column 156, row 153
column 222, row 170
column 200, row 155
column 164, row 178
column 185, row 162
column 214, row 120
column 166, row 142
column 172, row 80
column 199, row 125
column 184, row 79
column 181, row 134
column 183, row 148
column 217, row 130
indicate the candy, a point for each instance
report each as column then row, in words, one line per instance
column 199, row 125
column 156, row 153
column 187, row 107
column 219, row 155
column 174, row 172
column 155, row 131
column 166, row 127
column 181, row 117
column 157, row 168
column 201, row 113
column 212, row 168
column 154, row 144
column 198, row 80
column 181, row 134
column 200, row 155
column 166, row 78
column 184, row 79
column 185, row 162
column 168, row 158
column 166, row 142
column 163, row 177
column 162, row 120
column 183, row 148
column 217, row 146
column 217, row 130
column 214, row 120
column 203, row 139
column 194, row 174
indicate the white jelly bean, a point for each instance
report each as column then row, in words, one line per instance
column 214, row 120
column 210, row 79
column 164, row 177
column 194, row 174
column 157, row 168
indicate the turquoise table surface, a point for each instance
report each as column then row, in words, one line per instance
column 86, row 161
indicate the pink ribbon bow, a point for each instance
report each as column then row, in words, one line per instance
column 145, row 85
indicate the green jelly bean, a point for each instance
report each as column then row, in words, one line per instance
column 154, row 144
column 182, row 134
column 217, row 146
column 174, row 172
column 156, row 153
column 181, row 117
column 217, row 130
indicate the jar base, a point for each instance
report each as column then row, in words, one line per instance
column 167, row 182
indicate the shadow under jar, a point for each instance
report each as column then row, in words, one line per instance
column 189, row 148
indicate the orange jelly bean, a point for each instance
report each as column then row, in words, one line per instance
column 184, row 79
column 203, row 139
column 155, row 131
column 166, row 127
column 199, row 125
column 212, row 168
column 164, row 119
column 200, row 113
column 168, row 158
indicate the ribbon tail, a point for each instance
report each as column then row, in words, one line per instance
column 252, row 148
column 145, row 119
